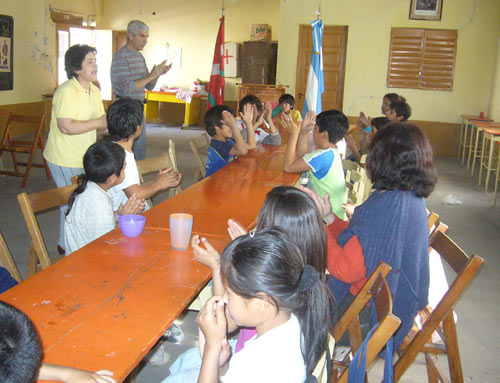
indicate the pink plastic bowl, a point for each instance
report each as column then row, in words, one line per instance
column 132, row 225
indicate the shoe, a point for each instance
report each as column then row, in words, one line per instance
column 157, row 356
column 174, row 334
column 61, row 250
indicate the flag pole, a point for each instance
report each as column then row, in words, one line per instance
column 318, row 12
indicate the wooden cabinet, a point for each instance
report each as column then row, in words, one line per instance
column 259, row 60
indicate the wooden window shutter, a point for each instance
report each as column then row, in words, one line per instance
column 422, row 58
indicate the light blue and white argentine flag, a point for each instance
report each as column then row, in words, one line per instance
column 315, row 84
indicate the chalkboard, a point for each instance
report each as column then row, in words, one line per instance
column 6, row 52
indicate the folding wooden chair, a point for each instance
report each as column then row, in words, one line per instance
column 199, row 143
column 9, row 144
column 7, row 261
column 355, row 181
column 375, row 287
column 442, row 315
column 32, row 204
column 150, row 165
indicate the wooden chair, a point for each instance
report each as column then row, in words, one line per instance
column 375, row 287
column 200, row 143
column 150, row 165
column 442, row 315
column 355, row 181
column 368, row 181
column 7, row 261
column 9, row 144
column 32, row 204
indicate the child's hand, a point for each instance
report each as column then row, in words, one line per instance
column 169, row 178
column 363, row 121
column 73, row 375
column 212, row 322
column 309, row 122
column 247, row 115
column 323, row 204
column 134, row 205
column 225, row 349
column 101, row 376
column 207, row 256
column 351, row 143
column 234, row 229
column 228, row 119
column 260, row 118
column 288, row 123
column 349, row 209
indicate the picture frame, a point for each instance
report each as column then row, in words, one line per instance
column 426, row 10
column 6, row 52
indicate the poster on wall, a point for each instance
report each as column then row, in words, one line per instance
column 426, row 9
column 6, row 52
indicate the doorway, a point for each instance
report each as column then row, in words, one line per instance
column 334, row 56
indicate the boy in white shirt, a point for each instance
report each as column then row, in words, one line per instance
column 124, row 120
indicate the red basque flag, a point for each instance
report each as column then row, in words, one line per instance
column 216, row 87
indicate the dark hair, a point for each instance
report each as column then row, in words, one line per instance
column 401, row 158
column 269, row 262
column 73, row 58
column 380, row 122
column 288, row 99
column 20, row 346
column 295, row 212
column 401, row 108
column 123, row 117
column 393, row 97
column 334, row 122
column 213, row 118
column 250, row 99
column 102, row 160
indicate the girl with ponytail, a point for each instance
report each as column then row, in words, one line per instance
column 90, row 212
column 268, row 286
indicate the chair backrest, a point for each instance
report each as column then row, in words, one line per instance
column 465, row 268
column 376, row 287
column 355, row 181
column 172, row 153
column 154, row 164
column 22, row 119
column 7, row 261
column 32, row 204
column 432, row 219
column 199, row 143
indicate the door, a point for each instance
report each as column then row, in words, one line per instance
column 334, row 55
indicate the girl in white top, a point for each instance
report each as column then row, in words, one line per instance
column 90, row 213
column 267, row 287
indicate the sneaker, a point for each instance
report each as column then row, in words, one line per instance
column 157, row 356
column 174, row 334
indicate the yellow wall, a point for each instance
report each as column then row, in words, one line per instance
column 370, row 24
column 193, row 25
column 494, row 110
column 35, row 46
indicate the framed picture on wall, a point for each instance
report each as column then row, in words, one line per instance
column 426, row 9
column 6, row 52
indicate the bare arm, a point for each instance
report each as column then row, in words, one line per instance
column 292, row 163
column 152, row 77
column 268, row 115
column 240, row 147
column 308, row 124
column 165, row 179
column 72, row 127
column 73, row 375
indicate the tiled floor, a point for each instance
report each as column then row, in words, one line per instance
column 474, row 225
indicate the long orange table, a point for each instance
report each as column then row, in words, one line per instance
column 107, row 304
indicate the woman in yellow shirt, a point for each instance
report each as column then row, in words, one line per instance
column 77, row 111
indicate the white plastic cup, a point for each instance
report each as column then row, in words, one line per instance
column 181, row 225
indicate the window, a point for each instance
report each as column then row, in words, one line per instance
column 422, row 58
column 102, row 40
